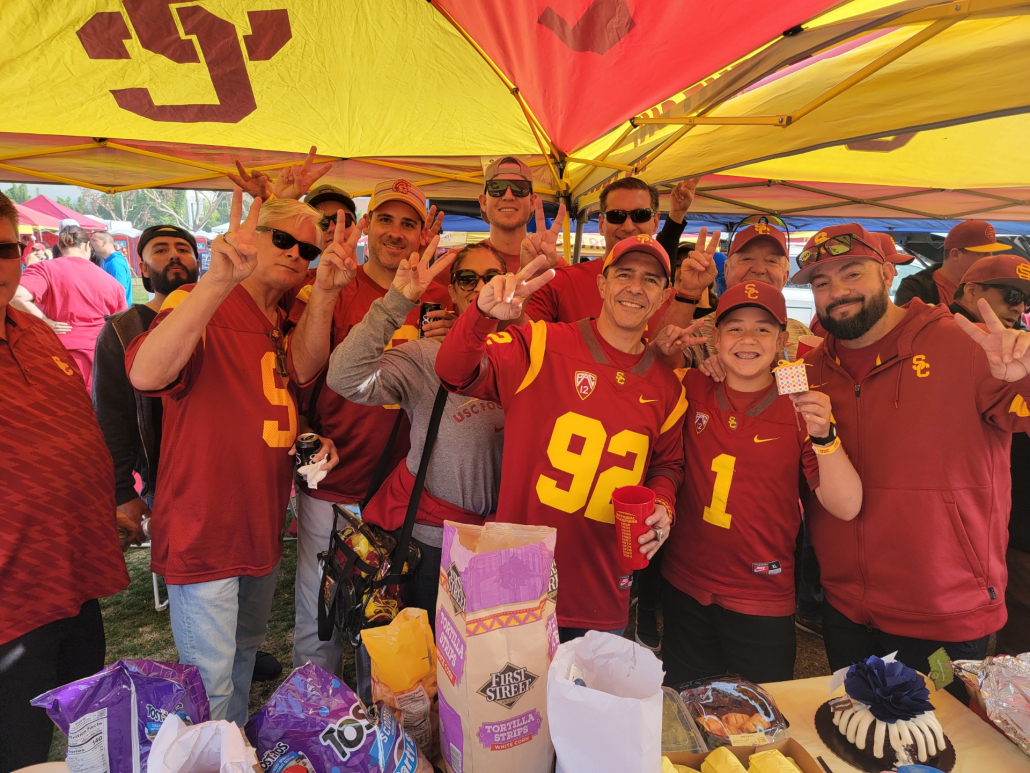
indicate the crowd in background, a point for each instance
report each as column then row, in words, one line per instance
column 551, row 384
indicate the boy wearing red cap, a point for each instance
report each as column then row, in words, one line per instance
column 595, row 411
column 965, row 244
column 738, row 505
column 922, row 567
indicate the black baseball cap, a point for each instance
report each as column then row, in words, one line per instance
column 331, row 193
column 156, row 231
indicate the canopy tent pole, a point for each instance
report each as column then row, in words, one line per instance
column 581, row 220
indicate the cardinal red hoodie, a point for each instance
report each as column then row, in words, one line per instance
column 929, row 431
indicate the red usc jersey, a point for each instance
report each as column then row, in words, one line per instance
column 229, row 422
column 737, row 514
column 573, row 295
column 582, row 420
column 360, row 432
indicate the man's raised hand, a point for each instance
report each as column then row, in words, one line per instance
column 698, row 270
column 257, row 184
column 414, row 275
column 1006, row 349
column 544, row 241
column 339, row 263
column 234, row 256
column 294, row 181
column 681, row 197
column 503, row 297
column 675, row 340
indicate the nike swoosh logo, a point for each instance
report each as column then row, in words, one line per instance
column 498, row 429
column 816, row 386
column 765, row 440
column 642, row 400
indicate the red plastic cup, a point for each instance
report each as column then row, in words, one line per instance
column 633, row 504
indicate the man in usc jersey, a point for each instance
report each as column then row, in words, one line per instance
column 325, row 311
column 215, row 354
column 603, row 412
column 729, row 565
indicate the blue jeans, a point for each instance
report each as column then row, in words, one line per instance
column 218, row 627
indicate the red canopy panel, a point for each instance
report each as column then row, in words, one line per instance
column 585, row 66
column 31, row 217
column 50, row 207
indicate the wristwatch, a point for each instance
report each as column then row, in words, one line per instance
column 825, row 441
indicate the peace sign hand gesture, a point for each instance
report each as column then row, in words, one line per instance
column 234, row 256
column 503, row 297
column 434, row 222
column 681, row 197
column 1006, row 349
column 544, row 241
column 414, row 276
column 294, row 181
column 257, row 184
column 698, row 271
column 339, row 263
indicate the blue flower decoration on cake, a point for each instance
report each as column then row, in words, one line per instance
column 892, row 691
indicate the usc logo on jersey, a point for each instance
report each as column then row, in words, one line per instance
column 64, row 366
column 750, row 291
column 620, row 377
column 921, row 366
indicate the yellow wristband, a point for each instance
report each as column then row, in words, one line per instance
column 827, row 450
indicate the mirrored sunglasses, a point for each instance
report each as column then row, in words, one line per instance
column 519, row 188
column 834, row 246
column 618, row 216
column 1011, row 296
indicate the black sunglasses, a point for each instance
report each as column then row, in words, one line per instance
column 11, row 250
column 618, row 216
column 519, row 188
column 348, row 220
column 467, row 279
column 1012, row 296
column 284, row 241
column 280, row 352
column 835, row 245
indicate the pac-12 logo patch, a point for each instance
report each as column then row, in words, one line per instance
column 700, row 422
column 585, row 383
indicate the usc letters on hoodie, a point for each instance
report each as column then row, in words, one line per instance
column 929, row 431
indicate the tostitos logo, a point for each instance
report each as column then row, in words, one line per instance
column 402, row 186
column 751, row 291
column 1023, row 271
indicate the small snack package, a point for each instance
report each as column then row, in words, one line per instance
column 604, row 705
column 771, row 761
column 403, row 657
column 210, row 747
column 731, row 711
column 722, row 761
column 791, row 377
column 496, row 632
column 112, row 717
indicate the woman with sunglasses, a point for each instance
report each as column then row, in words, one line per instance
column 216, row 356
column 464, row 476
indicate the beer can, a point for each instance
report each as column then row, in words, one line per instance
column 308, row 445
column 425, row 319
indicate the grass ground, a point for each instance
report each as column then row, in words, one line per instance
column 135, row 630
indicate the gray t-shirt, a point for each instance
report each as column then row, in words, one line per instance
column 465, row 469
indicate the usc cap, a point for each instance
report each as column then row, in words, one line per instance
column 757, row 294
column 639, row 243
column 758, row 231
column 1011, row 270
column 837, row 243
column 975, row 236
column 399, row 190
column 331, row 193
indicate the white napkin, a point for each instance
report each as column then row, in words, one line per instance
column 210, row 747
column 313, row 473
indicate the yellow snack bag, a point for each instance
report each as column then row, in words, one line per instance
column 669, row 767
column 403, row 656
column 772, row 762
column 722, row 761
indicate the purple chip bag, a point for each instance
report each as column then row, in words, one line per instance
column 313, row 723
column 393, row 749
column 111, row 718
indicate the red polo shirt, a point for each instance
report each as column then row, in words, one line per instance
column 57, row 512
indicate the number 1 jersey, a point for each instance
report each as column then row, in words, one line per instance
column 581, row 420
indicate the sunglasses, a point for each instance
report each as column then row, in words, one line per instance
column 276, row 337
column 519, row 188
column 467, row 279
column 618, row 216
column 348, row 220
column 11, row 250
column 751, row 220
column 1012, row 296
column 835, row 246
column 284, row 241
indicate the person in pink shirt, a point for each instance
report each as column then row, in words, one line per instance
column 73, row 295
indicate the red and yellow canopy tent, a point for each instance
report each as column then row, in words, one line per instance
column 870, row 108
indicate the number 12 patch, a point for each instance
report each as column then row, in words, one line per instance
column 766, row 567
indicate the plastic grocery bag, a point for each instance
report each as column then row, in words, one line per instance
column 604, row 705
column 403, row 657
column 112, row 717
column 210, row 747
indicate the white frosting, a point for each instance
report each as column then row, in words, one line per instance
column 923, row 731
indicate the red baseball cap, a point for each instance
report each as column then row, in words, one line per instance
column 639, row 243
column 1011, row 270
column 824, row 246
column 889, row 249
column 757, row 294
column 975, row 236
column 759, row 231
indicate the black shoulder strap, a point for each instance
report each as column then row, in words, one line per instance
column 383, row 465
column 127, row 326
column 401, row 551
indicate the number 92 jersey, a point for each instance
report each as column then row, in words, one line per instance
column 581, row 420
column 229, row 421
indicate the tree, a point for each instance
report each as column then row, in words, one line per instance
column 148, row 207
column 18, row 193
